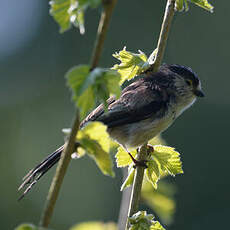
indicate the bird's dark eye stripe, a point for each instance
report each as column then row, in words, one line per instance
column 189, row 82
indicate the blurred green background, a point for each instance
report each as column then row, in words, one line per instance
column 35, row 105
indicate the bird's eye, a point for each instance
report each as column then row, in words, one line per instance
column 189, row 82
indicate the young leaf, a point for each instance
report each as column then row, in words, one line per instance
column 122, row 157
column 29, row 227
column 164, row 160
column 95, row 141
column 96, row 131
column 181, row 5
column 142, row 221
column 71, row 12
column 75, row 78
column 88, row 86
column 168, row 159
column 131, row 64
column 104, row 82
column 153, row 173
column 129, row 180
column 204, row 4
column 94, row 225
column 156, row 226
column 26, row 227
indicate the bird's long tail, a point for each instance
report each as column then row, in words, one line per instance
column 36, row 173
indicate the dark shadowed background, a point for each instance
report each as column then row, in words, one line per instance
column 35, row 105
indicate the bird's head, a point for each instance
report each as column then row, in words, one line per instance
column 185, row 81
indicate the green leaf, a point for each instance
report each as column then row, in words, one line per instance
column 129, row 179
column 75, row 78
column 168, row 159
column 96, row 131
column 94, row 225
column 88, row 87
column 26, row 227
column 143, row 221
column 181, row 5
column 104, row 82
column 203, row 4
column 156, row 226
column 95, row 141
column 164, row 161
column 160, row 200
column 131, row 64
column 29, row 227
column 71, row 12
column 122, row 157
column 153, row 173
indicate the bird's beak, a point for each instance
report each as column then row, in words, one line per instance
column 198, row 93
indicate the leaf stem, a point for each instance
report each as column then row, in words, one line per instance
column 102, row 30
column 59, row 175
column 142, row 155
column 69, row 149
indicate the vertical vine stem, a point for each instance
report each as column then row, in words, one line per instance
column 55, row 187
column 142, row 155
column 163, row 37
column 102, row 29
column 59, row 175
column 137, row 183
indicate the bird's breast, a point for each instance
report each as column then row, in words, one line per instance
column 138, row 133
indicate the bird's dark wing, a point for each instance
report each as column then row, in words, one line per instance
column 96, row 113
column 138, row 101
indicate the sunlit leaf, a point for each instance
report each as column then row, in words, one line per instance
column 71, row 12
column 26, row 227
column 122, row 157
column 168, row 159
column 163, row 161
column 95, row 141
column 152, row 57
column 181, row 5
column 156, row 226
column 88, row 87
column 94, row 225
column 143, row 221
column 131, row 64
column 96, row 131
column 30, row 227
column 204, row 4
column 129, row 179
column 153, row 173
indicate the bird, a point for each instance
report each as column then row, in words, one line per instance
column 146, row 107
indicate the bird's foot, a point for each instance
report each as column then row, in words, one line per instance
column 141, row 163
column 138, row 163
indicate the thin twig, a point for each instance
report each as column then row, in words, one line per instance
column 142, row 155
column 102, row 31
column 163, row 37
column 59, row 175
column 137, row 183
column 69, row 149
